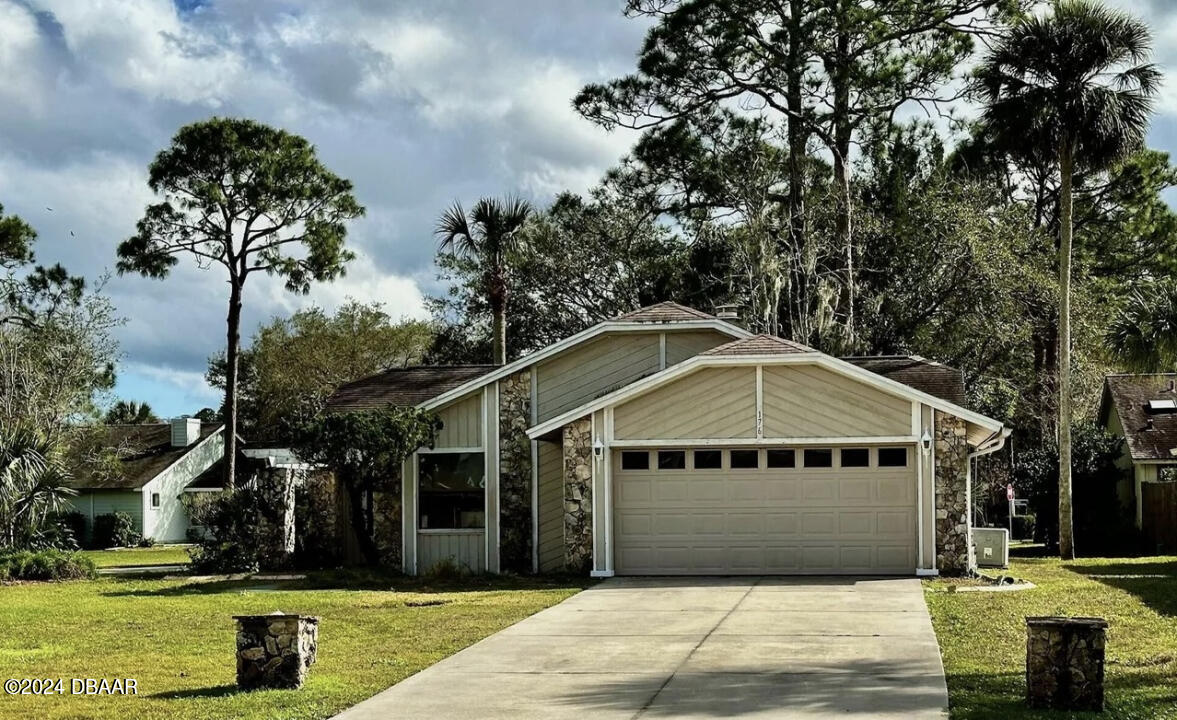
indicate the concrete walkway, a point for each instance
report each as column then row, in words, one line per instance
column 695, row 648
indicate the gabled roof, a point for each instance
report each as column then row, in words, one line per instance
column 403, row 386
column 144, row 452
column 811, row 357
column 944, row 382
column 759, row 345
column 1149, row 435
column 663, row 312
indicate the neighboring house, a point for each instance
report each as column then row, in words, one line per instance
column 1142, row 409
column 667, row 441
column 144, row 471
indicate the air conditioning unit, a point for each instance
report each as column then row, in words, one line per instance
column 991, row 546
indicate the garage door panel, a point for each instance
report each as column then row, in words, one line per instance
column 784, row 520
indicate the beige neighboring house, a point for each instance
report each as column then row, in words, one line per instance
column 668, row 441
column 157, row 464
column 1142, row 409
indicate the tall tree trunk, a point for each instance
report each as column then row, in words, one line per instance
column 843, row 133
column 232, row 347
column 1066, row 541
column 498, row 313
column 797, row 132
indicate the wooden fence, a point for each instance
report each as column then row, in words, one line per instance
column 1159, row 514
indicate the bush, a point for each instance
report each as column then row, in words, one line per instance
column 1024, row 527
column 146, row 542
column 73, row 522
column 115, row 529
column 45, row 565
column 229, row 542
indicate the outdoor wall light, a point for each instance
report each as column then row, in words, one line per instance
column 926, row 441
column 598, row 449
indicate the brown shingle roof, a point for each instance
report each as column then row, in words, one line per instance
column 664, row 312
column 924, row 375
column 759, row 345
column 145, row 451
column 1128, row 396
column 403, row 387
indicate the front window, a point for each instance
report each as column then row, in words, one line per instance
column 154, row 500
column 451, row 491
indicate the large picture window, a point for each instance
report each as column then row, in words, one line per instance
column 451, row 491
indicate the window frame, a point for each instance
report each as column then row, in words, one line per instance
column 768, row 454
column 902, row 448
column 156, row 501
column 670, row 453
column 419, row 508
column 842, row 457
column 635, row 453
column 805, row 458
column 695, row 459
column 731, row 459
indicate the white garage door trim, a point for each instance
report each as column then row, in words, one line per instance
column 766, row 520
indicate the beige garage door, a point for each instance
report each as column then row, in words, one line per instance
column 780, row 511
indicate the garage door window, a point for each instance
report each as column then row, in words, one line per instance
column 780, row 458
column 855, row 457
column 745, row 459
column 451, row 491
column 819, row 458
column 635, row 460
column 708, row 459
column 672, row 460
column 893, row 457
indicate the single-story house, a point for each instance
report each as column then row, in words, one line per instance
column 668, row 441
column 144, row 471
column 1142, row 409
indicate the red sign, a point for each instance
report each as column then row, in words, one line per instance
column 1009, row 492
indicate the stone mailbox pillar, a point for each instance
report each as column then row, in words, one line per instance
column 276, row 650
column 1064, row 662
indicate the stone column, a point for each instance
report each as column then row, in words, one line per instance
column 578, row 496
column 1064, row 662
column 515, row 517
column 275, row 487
column 275, row 651
column 953, row 542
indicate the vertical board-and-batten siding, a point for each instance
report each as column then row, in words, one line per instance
column 461, row 423
column 587, row 371
column 809, row 401
column 684, row 345
column 466, row 550
column 551, row 506
column 709, row 403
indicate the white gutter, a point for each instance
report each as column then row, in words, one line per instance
column 992, row 444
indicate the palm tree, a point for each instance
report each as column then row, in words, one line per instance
column 1143, row 337
column 129, row 412
column 488, row 235
column 1076, row 80
column 32, row 486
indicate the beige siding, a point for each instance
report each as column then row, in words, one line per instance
column 462, row 423
column 808, row 401
column 466, row 550
column 593, row 369
column 683, row 345
column 710, row 403
column 551, row 506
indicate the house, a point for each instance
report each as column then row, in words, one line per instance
column 1142, row 409
column 668, row 441
column 144, row 471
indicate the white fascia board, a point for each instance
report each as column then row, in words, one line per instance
column 828, row 362
column 213, row 434
column 582, row 336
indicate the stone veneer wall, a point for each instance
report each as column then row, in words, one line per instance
column 578, row 495
column 386, row 521
column 275, row 651
column 1065, row 662
column 953, row 546
column 276, row 516
column 515, row 473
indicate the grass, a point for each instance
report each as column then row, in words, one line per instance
column 138, row 557
column 983, row 636
column 176, row 638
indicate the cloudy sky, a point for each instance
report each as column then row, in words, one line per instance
column 418, row 103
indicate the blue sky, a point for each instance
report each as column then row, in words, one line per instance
column 417, row 103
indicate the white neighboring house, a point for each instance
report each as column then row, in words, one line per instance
column 158, row 464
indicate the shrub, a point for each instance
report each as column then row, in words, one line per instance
column 146, row 542
column 229, row 541
column 1024, row 527
column 45, row 565
column 75, row 523
column 115, row 529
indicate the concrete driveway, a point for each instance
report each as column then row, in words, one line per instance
column 695, row 648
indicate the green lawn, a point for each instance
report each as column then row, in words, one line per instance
column 176, row 638
column 137, row 557
column 983, row 636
